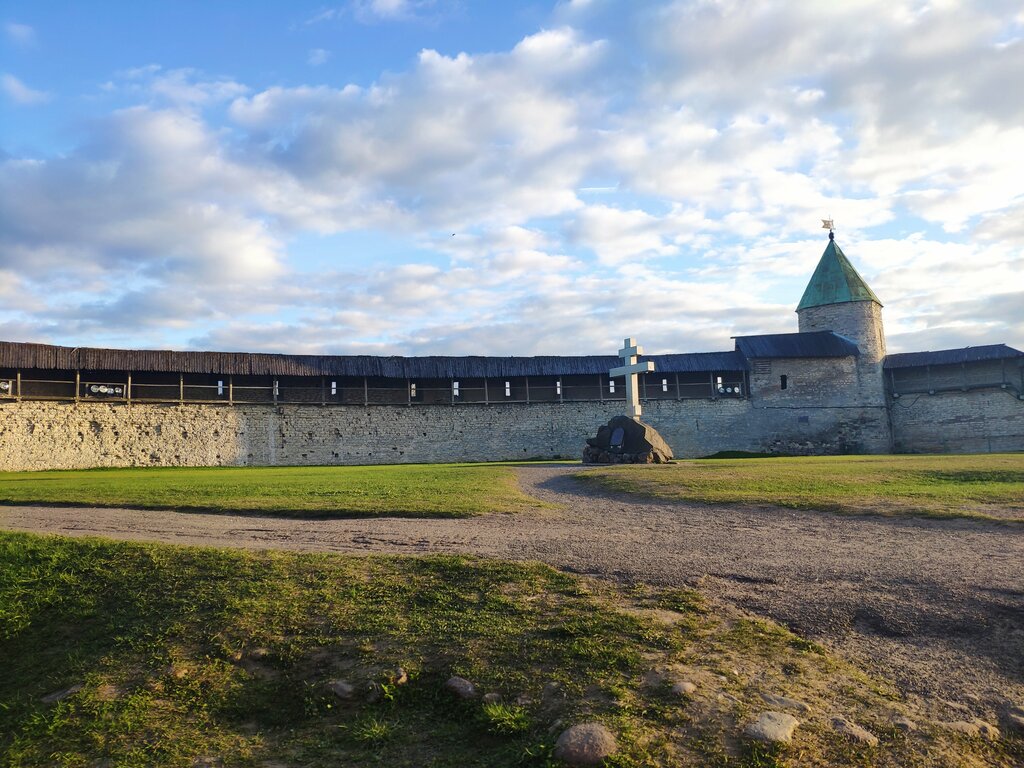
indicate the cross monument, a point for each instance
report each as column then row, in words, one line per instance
column 629, row 353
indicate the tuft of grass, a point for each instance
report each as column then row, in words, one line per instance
column 426, row 490
column 371, row 730
column 505, row 718
column 989, row 486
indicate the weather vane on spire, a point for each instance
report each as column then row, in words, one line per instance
column 827, row 224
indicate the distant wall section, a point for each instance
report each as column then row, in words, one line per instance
column 977, row 421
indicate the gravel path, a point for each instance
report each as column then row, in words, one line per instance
column 936, row 606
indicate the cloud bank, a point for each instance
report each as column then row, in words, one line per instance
column 659, row 176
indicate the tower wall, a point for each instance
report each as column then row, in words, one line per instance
column 861, row 322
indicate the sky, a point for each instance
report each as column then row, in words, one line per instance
column 480, row 177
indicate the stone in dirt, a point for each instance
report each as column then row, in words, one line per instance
column 585, row 744
column 784, row 702
column 460, row 687
column 492, row 698
column 684, row 688
column 973, row 728
column 343, row 689
column 626, row 441
column 904, row 724
column 854, row 732
column 53, row 698
column 772, row 728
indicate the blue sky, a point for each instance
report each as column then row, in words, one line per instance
column 461, row 177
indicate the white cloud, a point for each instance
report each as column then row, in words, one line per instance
column 184, row 88
column 618, row 236
column 456, row 139
column 149, row 200
column 20, row 93
column 20, row 34
column 318, row 57
column 911, row 107
column 388, row 10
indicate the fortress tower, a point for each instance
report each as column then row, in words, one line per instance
column 837, row 299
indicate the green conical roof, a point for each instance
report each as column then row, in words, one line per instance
column 835, row 281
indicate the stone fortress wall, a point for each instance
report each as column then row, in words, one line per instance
column 815, row 414
column 979, row 421
column 63, row 435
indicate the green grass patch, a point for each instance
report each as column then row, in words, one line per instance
column 428, row 490
column 989, row 486
column 186, row 657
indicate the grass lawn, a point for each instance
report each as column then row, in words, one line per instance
column 989, row 486
column 202, row 657
column 428, row 490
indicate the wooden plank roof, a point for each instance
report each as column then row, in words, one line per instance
column 952, row 356
column 813, row 344
column 48, row 357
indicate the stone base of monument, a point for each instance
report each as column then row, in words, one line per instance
column 625, row 441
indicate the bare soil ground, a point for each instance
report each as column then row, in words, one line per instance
column 935, row 606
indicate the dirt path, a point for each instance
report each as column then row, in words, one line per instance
column 937, row 606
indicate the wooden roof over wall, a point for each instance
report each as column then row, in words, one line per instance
column 953, row 356
column 46, row 357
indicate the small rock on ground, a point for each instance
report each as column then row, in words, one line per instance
column 53, row 698
column 343, row 689
column 684, row 687
column 973, row 728
column 854, row 732
column 492, row 698
column 904, row 724
column 460, row 687
column 585, row 744
column 772, row 728
column 784, row 702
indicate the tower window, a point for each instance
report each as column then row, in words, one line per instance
column 220, row 387
column 558, row 387
column 334, row 387
column 664, row 385
column 508, row 389
column 412, row 389
column 455, row 389
column 611, row 385
column 783, row 381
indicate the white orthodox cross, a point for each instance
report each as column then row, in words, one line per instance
column 629, row 353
